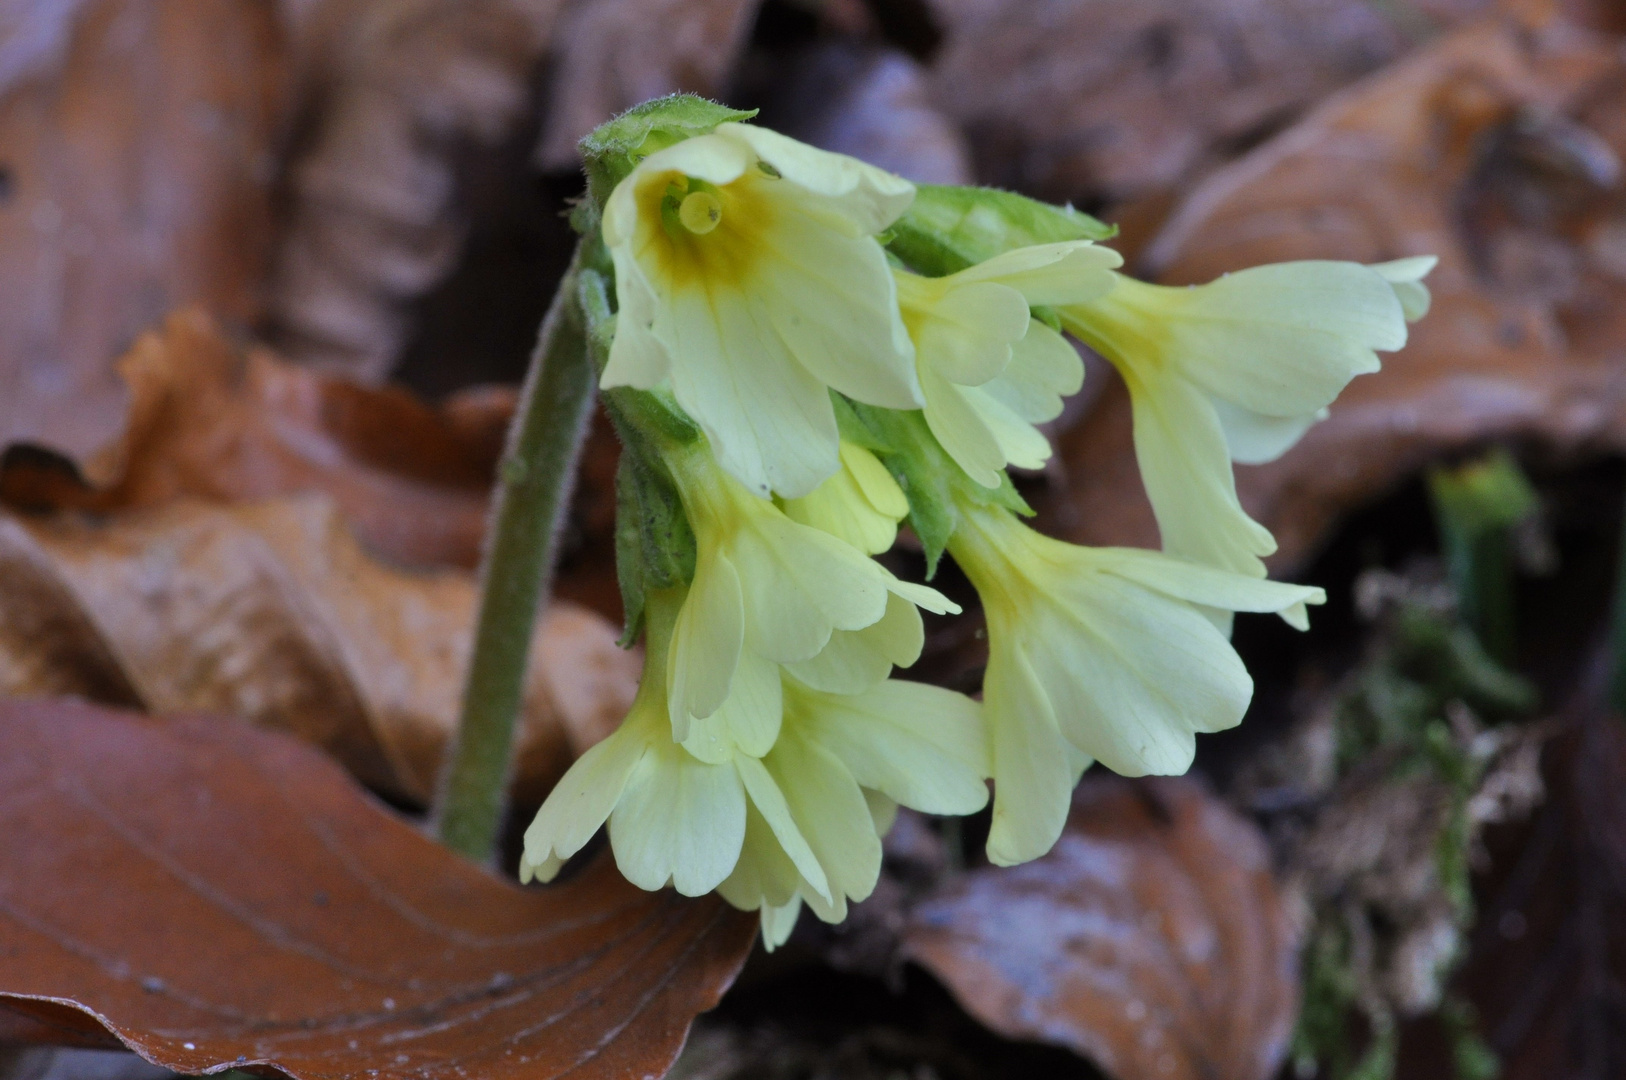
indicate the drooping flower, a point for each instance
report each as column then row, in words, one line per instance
column 1101, row 652
column 749, row 275
column 768, row 590
column 800, row 821
column 988, row 369
column 1237, row 369
column 842, row 765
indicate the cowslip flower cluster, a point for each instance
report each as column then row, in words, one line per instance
column 803, row 352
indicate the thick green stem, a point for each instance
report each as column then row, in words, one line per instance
column 531, row 499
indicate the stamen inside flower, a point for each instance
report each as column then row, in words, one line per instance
column 700, row 211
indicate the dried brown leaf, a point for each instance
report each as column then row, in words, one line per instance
column 613, row 54
column 1117, row 99
column 1491, row 149
column 136, row 141
column 273, row 612
column 1153, row 938
column 213, row 895
column 206, row 421
column 402, row 100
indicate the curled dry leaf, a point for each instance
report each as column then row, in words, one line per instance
column 402, row 99
column 1153, row 938
column 213, row 895
column 273, row 612
column 1118, row 99
column 1496, row 149
column 136, row 162
column 613, row 54
column 208, row 422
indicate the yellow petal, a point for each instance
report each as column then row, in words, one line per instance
column 748, row 720
column 768, row 419
column 831, row 812
column 962, row 330
column 1406, row 276
column 1033, row 778
column 765, row 876
column 832, row 300
column 679, row 820
column 582, row 799
column 959, row 429
column 706, row 643
column 1186, row 468
column 920, row 745
column 1254, row 438
column 1070, row 272
column 870, row 199
column 769, row 800
column 1020, row 443
column 856, row 660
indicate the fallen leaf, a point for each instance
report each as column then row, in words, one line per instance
column 1547, row 966
column 401, row 103
column 136, row 142
column 213, row 896
column 613, row 54
column 272, row 611
column 207, row 421
column 1152, row 938
column 1491, row 149
column 1118, row 99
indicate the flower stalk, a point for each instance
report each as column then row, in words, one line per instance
column 529, row 503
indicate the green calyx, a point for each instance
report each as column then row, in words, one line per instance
column 654, row 545
column 613, row 149
column 947, row 228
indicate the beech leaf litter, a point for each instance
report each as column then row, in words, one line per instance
column 270, row 275
column 307, row 928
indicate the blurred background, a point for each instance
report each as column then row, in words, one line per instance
column 270, row 271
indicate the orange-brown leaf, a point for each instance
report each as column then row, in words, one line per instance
column 213, row 895
column 271, row 611
column 1153, row 939
column 137, row 162
column 208, row 421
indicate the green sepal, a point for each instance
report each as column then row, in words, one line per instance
column 852, row 429
column 613, row 149
column 654, row 545
column 930, row 479
column 629, row 554
column 948, row 228
column 593, row 296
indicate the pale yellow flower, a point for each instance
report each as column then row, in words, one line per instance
column 748, row 273
column 1096, row 653
column 800, row 821
column 1237, row 369
column 988, row 369
column 768, row 590
column 841, row 766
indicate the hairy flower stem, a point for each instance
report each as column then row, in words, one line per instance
column 530, row 501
